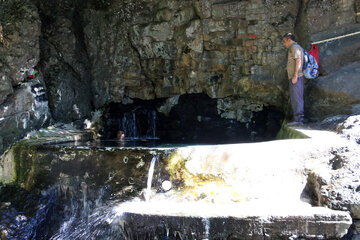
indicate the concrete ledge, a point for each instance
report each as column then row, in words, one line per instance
column 307, row 222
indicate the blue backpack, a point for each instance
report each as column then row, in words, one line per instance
column 310, row 66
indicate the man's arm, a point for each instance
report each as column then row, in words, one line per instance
column 297, row 69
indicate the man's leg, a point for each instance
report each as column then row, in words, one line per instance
column 297, row 99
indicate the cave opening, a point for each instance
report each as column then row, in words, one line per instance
column 188, row 119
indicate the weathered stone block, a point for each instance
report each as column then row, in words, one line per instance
column 164, row 15
column 259, row 70
column 214, row 60
column 196, row 45
column 183, row 16
column 159, row 32
column 240, row 228
column 229, row 10
column 145, row 91
column 132, row 82
column 195, row 36
column 210, row 26
column 171, row 4
column 203, row 8
column 260, row 29
column 220, row 41
column 131, row 75
column 194, row 29
column 164, row 50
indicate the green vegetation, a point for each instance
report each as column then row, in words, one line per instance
column 24, row 154
column 289, row 133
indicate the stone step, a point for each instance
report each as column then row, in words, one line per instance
column 236, row 221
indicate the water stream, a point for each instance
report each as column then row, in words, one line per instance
column 113, row 194
column 150, row 178
column 139, row 124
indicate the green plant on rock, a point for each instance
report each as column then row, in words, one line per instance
column 24, row 156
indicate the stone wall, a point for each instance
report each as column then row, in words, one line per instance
column 226, row 49
column 221, row 48
column 92, row 53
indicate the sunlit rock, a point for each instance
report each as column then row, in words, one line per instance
column 338, row 93
column 279, row 188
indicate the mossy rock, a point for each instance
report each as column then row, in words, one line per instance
column 290, row 133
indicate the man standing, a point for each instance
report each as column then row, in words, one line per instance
column 296, row 77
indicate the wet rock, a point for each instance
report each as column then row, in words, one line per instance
column 22, row 109
column 41, row 162
column 22, row 218
column 26, row 110
column 232, row 171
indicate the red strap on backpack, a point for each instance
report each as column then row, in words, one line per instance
column 315, row 52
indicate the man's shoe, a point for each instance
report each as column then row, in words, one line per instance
column 294, row 124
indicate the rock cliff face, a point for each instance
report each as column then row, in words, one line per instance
column 92, row 53
column 23, row 101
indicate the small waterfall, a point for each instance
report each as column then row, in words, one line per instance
column 139, row 123
column 129, row 125
column 87, row 219
column 150, row 177
column 135, row 133
column 151, row 132
column 86, row 210
column 206, row 223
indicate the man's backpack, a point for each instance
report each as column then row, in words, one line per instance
column 310, row 66
column 315, row 52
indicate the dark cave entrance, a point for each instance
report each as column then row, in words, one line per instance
column 193, row 120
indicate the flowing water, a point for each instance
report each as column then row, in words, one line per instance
column 81, row 209
column 76, row 210
column 136, row 127
column 150, row 178
column 102, row 222
column 129, row 125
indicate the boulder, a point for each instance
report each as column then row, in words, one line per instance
column 350, row 129
column 20, row 31
column 334, row 94
column 65, row 68
column 342, row 51
column 23, row 101
column 26, row 110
